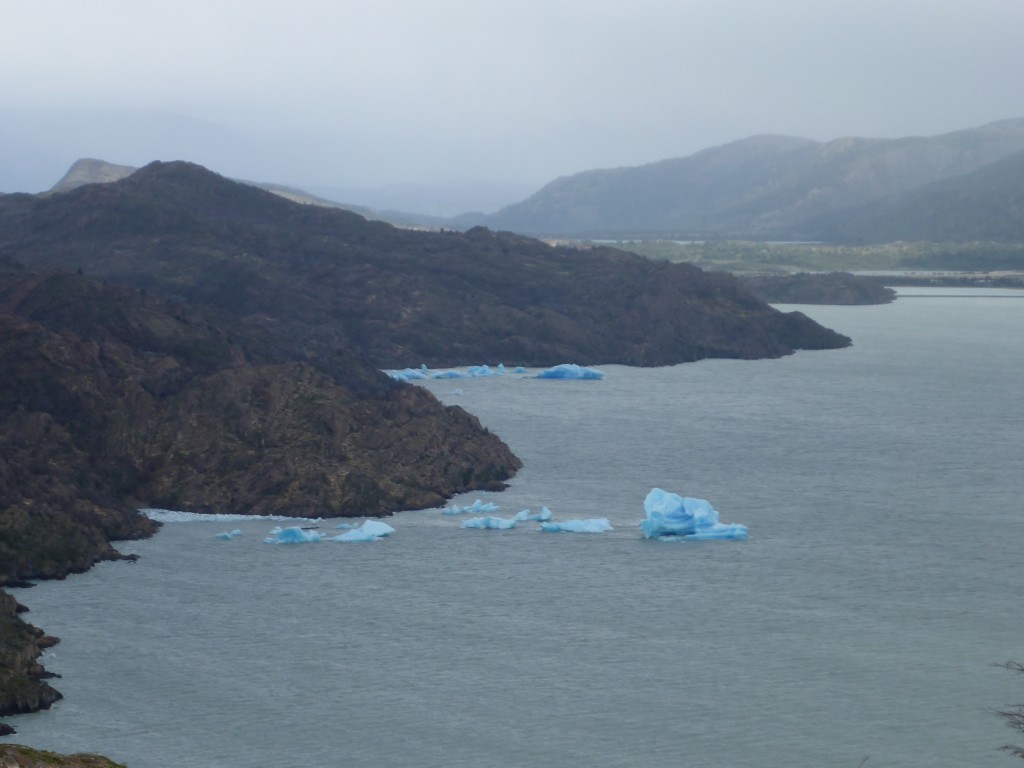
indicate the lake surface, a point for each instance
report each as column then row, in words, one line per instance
column 882, row 485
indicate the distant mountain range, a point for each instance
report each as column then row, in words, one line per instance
column 958, row 186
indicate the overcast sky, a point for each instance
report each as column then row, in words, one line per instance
column 379, row 92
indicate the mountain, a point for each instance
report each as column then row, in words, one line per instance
column 986, row 204
column 764, row 187
column 93, row 171
column 327, row 278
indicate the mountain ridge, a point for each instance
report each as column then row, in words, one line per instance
column 762, row 187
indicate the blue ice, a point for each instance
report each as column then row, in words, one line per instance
column 417, row 374
column 356, row 534
column 493, row 523
column 524, row 516
column 475, row 508
column 569, row 371
column 376, row 528
column 294, row 535
column 227, row 535
column 589, row 525
column 671, row 517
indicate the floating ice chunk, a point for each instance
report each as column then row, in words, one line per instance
column 294, row 535
column 177, row 516
column 376, row 528
column 519, row 369
column 408, row 374
column 356, row 534
column 345, row 526
column 228, row 535
column 486, row 370
column 671, row 517
column 493, row 523
column 475, row 508
column 589, row 525
column 524, row 516
column 569, row 371
column 449, row 375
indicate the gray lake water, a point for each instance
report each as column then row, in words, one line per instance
column 882, row 485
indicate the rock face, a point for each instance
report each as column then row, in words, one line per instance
column 22, row 684
column 115, row 399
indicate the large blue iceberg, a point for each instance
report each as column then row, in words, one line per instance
column 569, row 371
column 589, row 525
column 671, row 517
column 493, row 523
column 476, row 508
column 526, row 515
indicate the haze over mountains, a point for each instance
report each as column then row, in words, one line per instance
column 956, row 187
column 788, row 188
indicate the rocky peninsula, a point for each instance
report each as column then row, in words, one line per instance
column 177, row 339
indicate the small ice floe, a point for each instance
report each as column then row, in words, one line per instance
column 492, row 523
column 476, row 508
column 589, row 525
column 569, row 371
column 526, row 515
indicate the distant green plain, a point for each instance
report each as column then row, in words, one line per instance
column 741, row 256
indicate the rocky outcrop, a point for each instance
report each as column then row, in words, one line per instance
column 148, row 405
column 15, row 756
column 23, row 687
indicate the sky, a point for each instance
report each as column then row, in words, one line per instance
column 482, row 98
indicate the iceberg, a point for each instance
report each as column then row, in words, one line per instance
column 294, row 535
column 569, row 371
column 590, row 525
column 475, row 508
column 408, row 374
column 492, row 523
column 473, row 371
column 356, row 534
column 671, row 517
column 228, row 535
column 524, row 516
column 376, row 528
column 519, row 369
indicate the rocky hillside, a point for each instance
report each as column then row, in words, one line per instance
column 112, row 398
column 818, row 288
column 984, row 205
column 764, row 187
column 329, row 279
